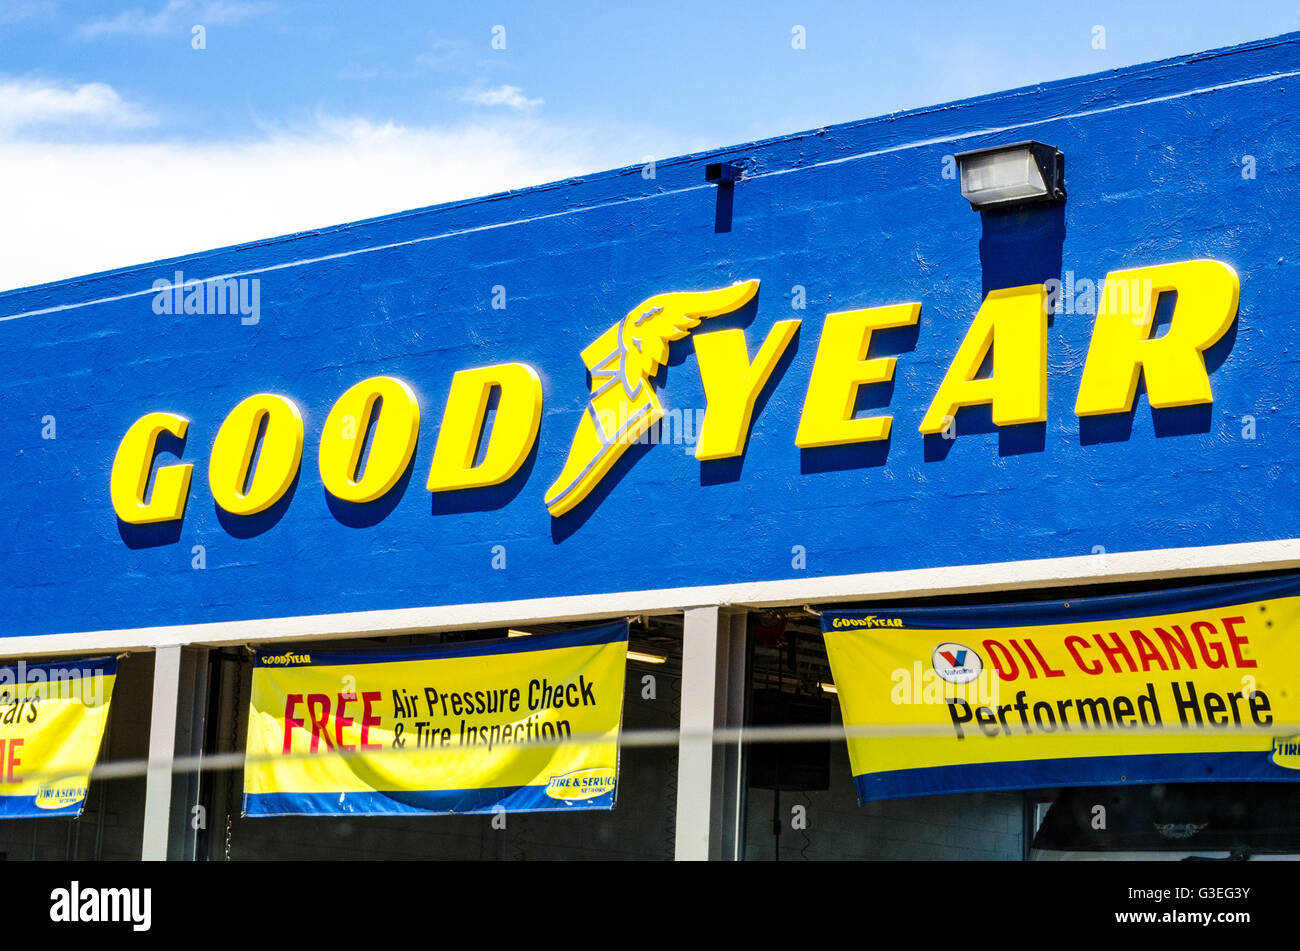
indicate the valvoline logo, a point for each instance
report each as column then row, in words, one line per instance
column 956, row 663
column 582, row 783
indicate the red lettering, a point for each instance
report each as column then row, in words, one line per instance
column 1237, row 641
column 1118, row 650
column 1048, row 669
column 367, row 721
column 1147, row 651
column 319, row 721
column 1094, row 668
column 1177, row 644
column 290, row 702
column 1006, row 665
column 340, row 721
column 13, row 760
column 1220, row 656
column 1029, row 665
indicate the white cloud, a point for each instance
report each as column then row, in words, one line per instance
column 31, row 105
column 511, row 96
column 175, row 16
column 75, row 208
column 16, row 10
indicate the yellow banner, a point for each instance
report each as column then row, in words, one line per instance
column 1178, row 686
column 52, row 719
column 526, row 725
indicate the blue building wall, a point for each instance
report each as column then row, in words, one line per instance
column 859, row 215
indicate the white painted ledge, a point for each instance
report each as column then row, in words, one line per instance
column 881, row 585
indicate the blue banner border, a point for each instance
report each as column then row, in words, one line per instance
column 1138, row 770
column 105, row 665
column 585, row 637
column 1073, row 610
column 24, row 807
column 429, row 802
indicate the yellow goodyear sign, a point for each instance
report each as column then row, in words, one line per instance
column 1197, row 684
column 527, row 724
column 623, row 363
column 52, row 719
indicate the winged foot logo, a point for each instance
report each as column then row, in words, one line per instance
column 623, row 361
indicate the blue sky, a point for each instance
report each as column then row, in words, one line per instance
column 297, row 115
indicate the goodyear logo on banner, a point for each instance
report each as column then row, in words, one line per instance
column 52, row 719
column 1196, row 684
column 528, row 725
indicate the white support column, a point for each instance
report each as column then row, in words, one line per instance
column 162, row 750
column 695, row 748
column 191, row 718
column 733, row 659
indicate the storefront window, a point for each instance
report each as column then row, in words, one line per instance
column 1175, row 696
column 641, row 825
column 1173, row 821
column 801, row 801
column 110, row 827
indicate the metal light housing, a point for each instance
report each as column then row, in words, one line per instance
column 1005, row 176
